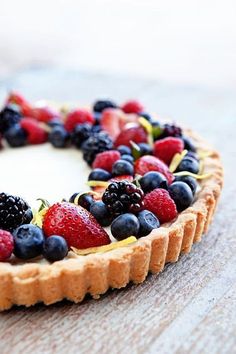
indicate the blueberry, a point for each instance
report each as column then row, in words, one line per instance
column 9, row 116
column 188, row 164
column 55, row 248
column 85, row 200
column 28, row 240
column 193, row 155
column 145, row 149
column 55, row 122
column 59, row 137
column 100, row 105
column 148, row 221
column 124, row 150
column 124, row 226
column 145, row 115
column 128, row 158
column 191, row 181
column 188, row 143
column 122, row 167
column 101, row 214
column 98, row 174
column 152, row 180
column 182, row 195
column 16, row 136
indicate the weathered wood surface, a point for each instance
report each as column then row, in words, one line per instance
column 191, row 306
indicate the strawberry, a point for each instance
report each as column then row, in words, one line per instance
column 160, row 203
column 114, row 120
column 35, row 133
column 136, row 134
column 79, row 228
column 132, row 106
column 44, row 114
column 149, row 163
column 106, row 159
column 18, row 99
column 78, row 116
column 166, row 148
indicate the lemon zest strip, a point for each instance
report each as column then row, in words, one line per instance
column 97, row 184
column 177, row 158
column 186, row 173
column 148, row 127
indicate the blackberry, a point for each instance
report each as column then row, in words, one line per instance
column 123, row 197
column 100, row 105
column 14, row 211
column 171, row 130
column 81, row 133
column 95, row 144
column 9, row 116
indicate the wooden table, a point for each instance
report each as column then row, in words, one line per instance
column 191, row 306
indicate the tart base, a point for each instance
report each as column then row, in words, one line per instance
column 94, row 274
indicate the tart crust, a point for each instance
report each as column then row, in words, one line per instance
column 73, row 278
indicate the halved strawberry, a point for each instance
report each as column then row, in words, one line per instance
column 44, row 114
column 114, row 120
column 136, row 133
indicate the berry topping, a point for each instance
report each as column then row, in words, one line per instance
column 191, row 181
column 122, row 197
column 6, row 245
column 81, row 133
column 85, row 200
column 35, row 133
column 100, row 105
column 188, row 144
column 79, row 228
column 98, row 174
column 97, row 143
column 12, row 211
column 17, row 99
column 166, row 148
column 55, row 248
column 44, row 114
column 59, row 137
column 124, row 226
column 124, row 150
column 132, row 106
column 16, row 136
column 9, row 116
column 113, row 121
column 153, row 180
column 101, row 214
column 188, row 164
column 171, row 130
column 151, row 163
column 134, row 134
column 78, row 116
column 28, row 240
column 148, row 221
column 106, row 159
column 122, row 167
column 182, row 195
column 161, row 204
column 142, row 149
column 128, row 158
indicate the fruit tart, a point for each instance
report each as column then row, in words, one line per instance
column 151, row 191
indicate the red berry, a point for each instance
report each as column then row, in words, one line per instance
column 6, row 245
column 132, row 106
column 114, row 120
column 18, row 99
column 106, row 159
column 79, row 228
column 136, row 134
column 78, row 116
column 35, row 133
column 44, row 114
column 166, row 148
column 160, row 203
column 149, row 163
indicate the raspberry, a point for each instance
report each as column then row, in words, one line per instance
column 35, row 133
column 106, row 159
column 132, row 106
column 6, row 245
column 160, row 203
column 136, row 134
column 166, row 148
column 78, row 116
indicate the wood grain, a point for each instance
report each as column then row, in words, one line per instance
column 190, row 307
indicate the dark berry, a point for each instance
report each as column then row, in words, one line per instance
column 95, row 129
column 9, row 116
column 191, row 181
column 95, row 144
column 101, row 213
column 122, row 167
column 145, row 149
column 182, row 195
column 152, row 180
column 85, row 200
column 124, row 226
column 124, row 150
column 55, row 122
column 171, row 130
column 55, row 248
column 145, row 115
column 188, row 164
column 98, row 174
column 193, row 155
column 28, row 216
column 59, row 137
column 13, row 211
column 128, row 158
column 28, row 240
column 81, row 133
column 100, row 105
column 97, row 116
column 188, row 144
column 16, row 136
column 148, row 221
